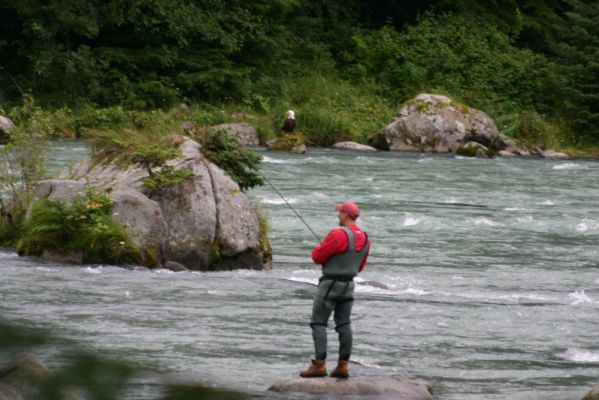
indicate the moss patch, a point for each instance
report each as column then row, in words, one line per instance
column 265, row 247
column 216, row 253
column 287, row 142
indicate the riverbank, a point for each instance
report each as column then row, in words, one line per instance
column 319, row 125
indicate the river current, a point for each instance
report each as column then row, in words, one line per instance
column 491, row 267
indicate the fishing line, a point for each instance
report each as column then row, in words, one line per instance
column 286, row 202
column 282, row 197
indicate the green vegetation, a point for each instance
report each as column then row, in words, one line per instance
column 215, row 253
column 155, row 156
column 240, row 163
column 343, row 67
column 89, row 376
column 21, row 167
column 263, row 239
column 83, row 227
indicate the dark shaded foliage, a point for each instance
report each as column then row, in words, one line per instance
column 155, row 53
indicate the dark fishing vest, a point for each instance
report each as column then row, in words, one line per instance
column 346, row 264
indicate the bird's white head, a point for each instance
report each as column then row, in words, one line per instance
column 290, row 114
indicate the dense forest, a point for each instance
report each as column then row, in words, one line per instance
column 533, row 65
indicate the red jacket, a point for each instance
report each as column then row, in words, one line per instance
column 336, row 242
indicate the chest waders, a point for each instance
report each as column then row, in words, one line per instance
column 336, row 293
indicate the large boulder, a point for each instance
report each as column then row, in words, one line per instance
column 23, row 378
column 206, row 223
column 439, row 124
column 245, row 133
column 400, row 388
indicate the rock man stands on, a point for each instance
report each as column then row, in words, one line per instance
column 342, row 254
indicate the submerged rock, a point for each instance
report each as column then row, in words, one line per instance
column 353, row 146
column 375, row 284
column 175, row 267
column 396, row 387
column 437, row 123
column 554, row 155
column 206, row 223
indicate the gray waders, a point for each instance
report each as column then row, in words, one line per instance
column 336, row 294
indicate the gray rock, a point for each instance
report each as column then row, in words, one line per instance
column 473, row 149
column 184, row 224
column 505, row 153
column 6, row 124
column 593, row 394
column 190, row 214
column 436, row 123
column 72, row 257
column 375, row 284
column 142, row 218
column 554, row 155
column 400, row 388
column 299, row 149
column 522, row 152
column 245, row 133
column 174, row 266
column 234, row 236
column 59, row 189
column 23, row 377
column 353, row 146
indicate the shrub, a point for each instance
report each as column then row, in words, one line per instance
column 240, row 163
column 322, row 128
column 21, row 167
column 263, row 239
column 287, row 142
column 532, row 129
column 83, row 227
column 167, row 177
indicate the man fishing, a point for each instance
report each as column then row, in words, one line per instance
column 342, row 254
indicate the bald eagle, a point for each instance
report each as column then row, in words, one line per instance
column 289, row 124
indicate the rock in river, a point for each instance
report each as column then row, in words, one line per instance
column 437, row 123
column 396, row 387
column 206, row 223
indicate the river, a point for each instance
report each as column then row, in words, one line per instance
column 491, row 267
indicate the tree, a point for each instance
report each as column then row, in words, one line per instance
column 577, row 52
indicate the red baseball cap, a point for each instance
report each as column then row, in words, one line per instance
column 349, row 208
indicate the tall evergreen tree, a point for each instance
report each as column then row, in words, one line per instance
column 577, row 52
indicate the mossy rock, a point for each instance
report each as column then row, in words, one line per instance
column 474, row 149
column 287, row 142
column 216, row 253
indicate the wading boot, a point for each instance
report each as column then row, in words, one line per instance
column 318, row 369
column 342, row 370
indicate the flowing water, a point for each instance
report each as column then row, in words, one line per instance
column 491, row 266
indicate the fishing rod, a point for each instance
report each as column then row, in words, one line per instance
column 289, row 205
